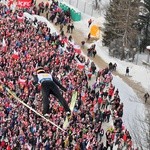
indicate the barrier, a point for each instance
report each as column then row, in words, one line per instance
column 75, row 16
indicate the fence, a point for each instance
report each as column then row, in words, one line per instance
column 75, row 15
column 82, row 6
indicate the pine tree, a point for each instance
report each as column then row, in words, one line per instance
column 110, row 24
column 119, row 26
column 144, row 25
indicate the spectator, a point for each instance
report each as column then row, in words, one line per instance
column 127, row 71
column 70, row 38
column 72, row 27
column 94, row 53
column 68, row 28
column 82, row 44
column 89, row 22
column 114, row 66
column 89, row 37
column 146, row 96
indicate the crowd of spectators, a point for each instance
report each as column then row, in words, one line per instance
column 20, row 128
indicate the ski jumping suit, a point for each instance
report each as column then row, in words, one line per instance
column 49, row 86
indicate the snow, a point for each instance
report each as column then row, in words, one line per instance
column 139, row 73
column 133, row 105
column 41, row 19
column 87, row 7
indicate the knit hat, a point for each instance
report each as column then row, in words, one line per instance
column 40, row 70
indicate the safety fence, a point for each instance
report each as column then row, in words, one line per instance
column 83, row 6
column 75, row 15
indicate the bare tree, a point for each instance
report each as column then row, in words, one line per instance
column 95, row 4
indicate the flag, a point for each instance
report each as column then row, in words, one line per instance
column 4, row 45
column 88, row 145
column 9, row 3
column 15, row 55
column 10, row 84
column 77, row 49
column 80, row 66
column 22, row 81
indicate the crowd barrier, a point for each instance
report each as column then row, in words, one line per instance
column 75, row 16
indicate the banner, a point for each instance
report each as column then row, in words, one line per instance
column 77, row 49
column 80, row 66
column 4, row 46
column 15, row 55
column 9, row 3
column 22, row 81
column 24, row 3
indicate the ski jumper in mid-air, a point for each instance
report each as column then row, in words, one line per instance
column 49, row 85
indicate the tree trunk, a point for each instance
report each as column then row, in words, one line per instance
column 96, row 4
column 147, row 32
column 125, row 36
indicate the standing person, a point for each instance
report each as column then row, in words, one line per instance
column 70, row 38
column 89, row 37
column 114, row 66
column 82, row 44
column 127, row 71
column 49, row 86
column 68, row 28
column 146, row 96
column 47, row 14
column 93, row 67
column 32, row 1
column 89, row 22
column 61, row 27
column 46, row 6
column 72, row 27
column 94, row 53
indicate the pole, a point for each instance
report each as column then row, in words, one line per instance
column 137, row 58
column 77, row 3
column 84, row 6
column 148, row 57
column 92, row 12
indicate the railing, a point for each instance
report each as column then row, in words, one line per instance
column 89, row 7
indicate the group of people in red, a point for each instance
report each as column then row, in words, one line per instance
column 20, row 128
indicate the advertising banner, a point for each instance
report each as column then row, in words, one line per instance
column 24, row 3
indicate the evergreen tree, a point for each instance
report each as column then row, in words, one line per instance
column 111, row 23
column 144, row 25
column 119, row 26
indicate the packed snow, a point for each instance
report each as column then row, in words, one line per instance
column 138, row 72
column 133, row 105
